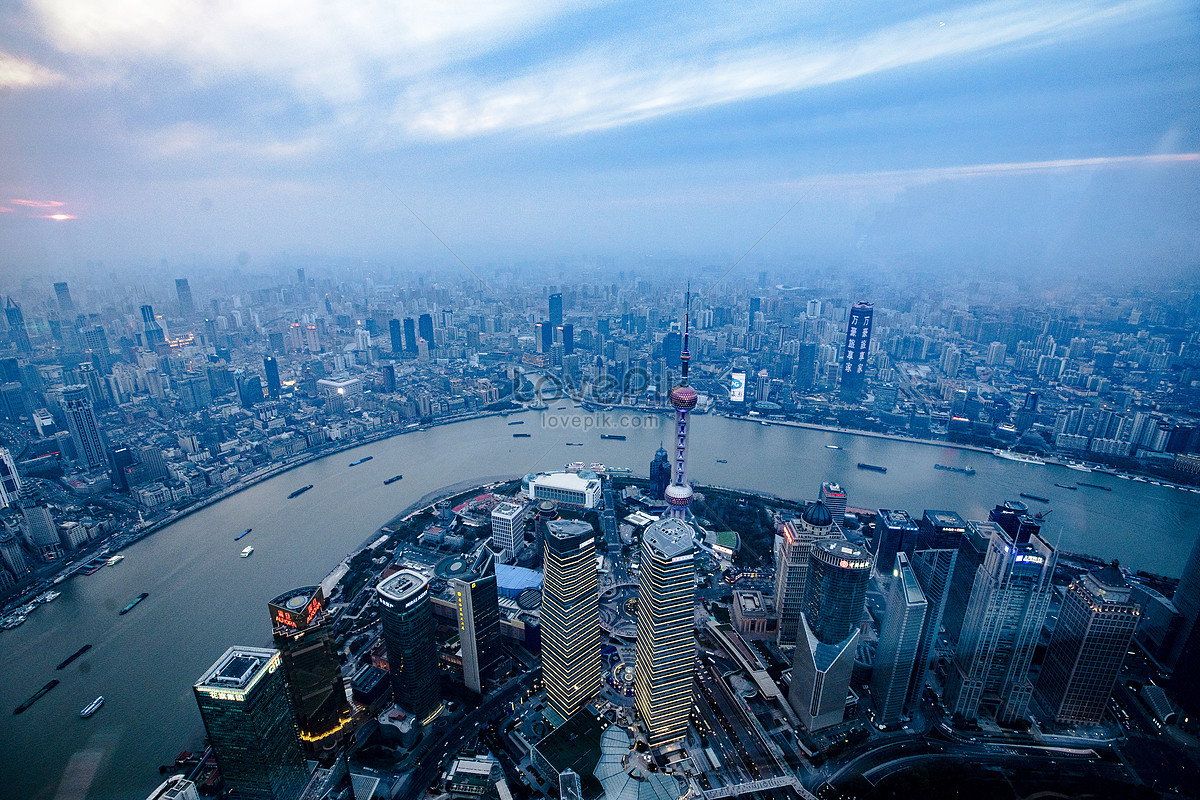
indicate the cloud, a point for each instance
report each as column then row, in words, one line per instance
column 628, row 82
column 38, row 203
column 21, row 73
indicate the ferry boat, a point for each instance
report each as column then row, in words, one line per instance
column 92, row 707
column 1075, row 465
column 362, row 460
column 117, row 559
column 522, row 435
column 50, row 597
column 962, row 470
column 247, row 551
column 13, row 621
column 1035, row 497
column 1065, row 486
column 871, row 467
column 1011, row 456
column 300, row 491
column 242, row 534
column 574, row 444
column 130, row 607
column 833, row 447
column 392, row 479
column 518, row 422
column 620, row 437
column 722, row 461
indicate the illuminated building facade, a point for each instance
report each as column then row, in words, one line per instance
column 834, row 498
column 570, row 616
column 244, row 704
column 683, row 398
column 858, row 347
column 666, row 646
column 1009, row 599
column 1087, row 649
column 311, row 666
column 478, row 604
column 408, row 636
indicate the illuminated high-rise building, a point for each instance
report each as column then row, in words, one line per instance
column 666, row 650
column 244, row 704
column 854, row 356
column 834, row 498
column 899, row 641
column 310, row 663
column 411, row 650
column 834, row 592
column 792, row 550
column 1009, row 599
column 478, row 604
column 1087, row 649
column 81, row 422
column 683, row 398
column 570, row 616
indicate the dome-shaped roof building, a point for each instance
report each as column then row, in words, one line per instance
column 817, row 515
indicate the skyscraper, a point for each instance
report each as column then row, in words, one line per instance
column 854, row 355
column 95, row 342
column 834, row 498
column 41, row 533
column 271, row 369
column 934, row 570
column 81, row 422
column 792, row 550
column 899, row 642
column 152, row 332
column 570, row 616
column 508, row 528
column 478, row 617
column 310, row 663
column 990, row 675
column 824, row 659
column 566, row 335
column 1087, row 649
column 556, row 310
column 683, row 398
column 660, row 474
column 11, row 554
column 408, row 636
column 410, row 336
column 65, row 304
column 396, row 335
column 666, row 651
column 425, row 328
column 187, row 306
column 244, row 704
column 16, row 327
column 895, row 531
column 10, row 479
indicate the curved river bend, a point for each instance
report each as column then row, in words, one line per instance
column 204, row 598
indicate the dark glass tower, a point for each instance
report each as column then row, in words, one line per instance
column 152, row 332
column 556, row 315
column 478, row 618
column 660, row 474
column 396, row 334
column 310, row 663
column 408, row 635
column 410, row 335
column 65, row 304
column 854, row 356
column 425, row 328
column 244, row 704
column 834, row 592
column 271, row 368
column 899, row 643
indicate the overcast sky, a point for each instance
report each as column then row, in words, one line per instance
column 1023, row 135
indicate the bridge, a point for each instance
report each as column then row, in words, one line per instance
column 765, row 785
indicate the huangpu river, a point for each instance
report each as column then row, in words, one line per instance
column 204, row 598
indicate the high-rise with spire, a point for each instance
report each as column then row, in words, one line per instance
column 683, row 397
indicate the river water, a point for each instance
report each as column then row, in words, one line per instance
column 204, row 598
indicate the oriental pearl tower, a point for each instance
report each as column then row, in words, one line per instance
column 683, row 397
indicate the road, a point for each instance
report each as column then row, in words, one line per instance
column 449, row 742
